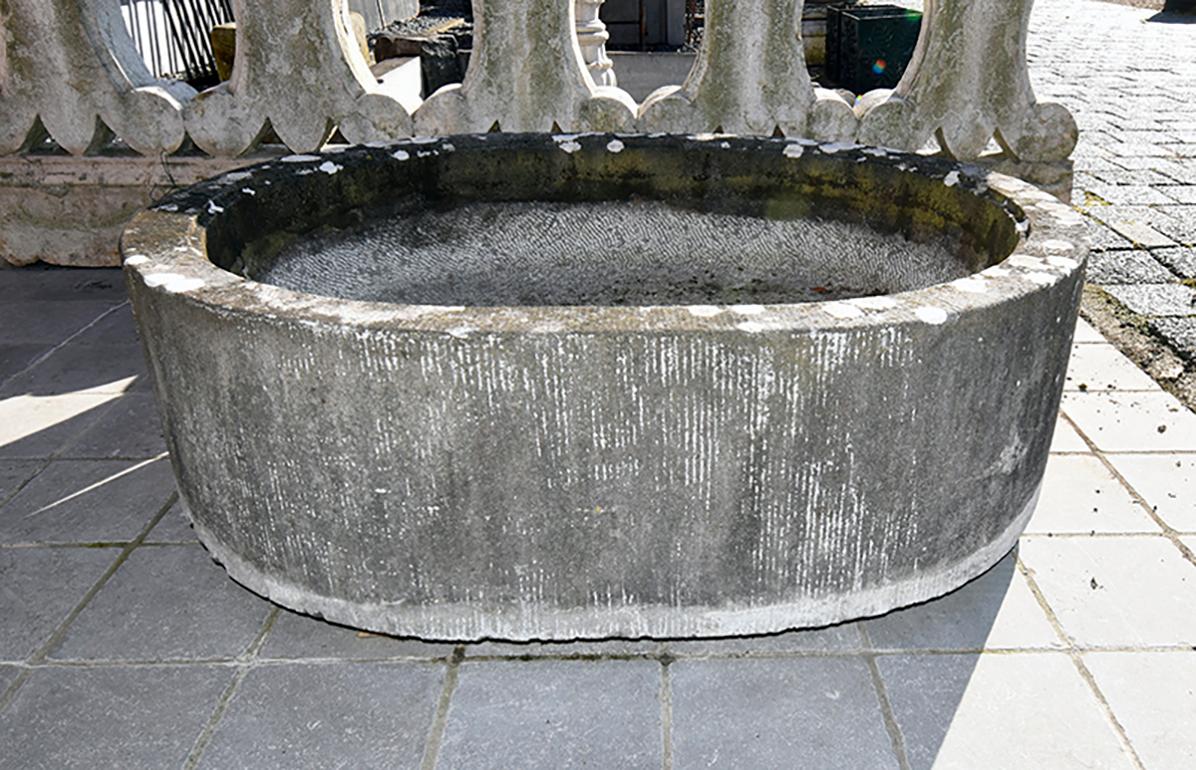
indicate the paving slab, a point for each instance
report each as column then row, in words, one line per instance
column 295, row 636
column 38, row 589
column 575, row 649
column 129, row 428
column 845, row 637
column 1161, row 299
column 14, row 474
column 1103, row 367
column 48, row 321
column 1180, row 333
column 80, row 367
column 87, row 501
column 1117, row 267
column 16, row 358
column 320, row 715
column 1066, row 439
column 1116, row 591
column 1153, row 695
column 165, row 603
column 108, row 717
column 175, row 527
column 40, row 283
column 781, row 712
column 35, row 427
column 1133, row 422
column 554, row 714
column 976, row 712
column 1166, row 482
column 1181, row 261
column 995, row 611
column 1080, row 495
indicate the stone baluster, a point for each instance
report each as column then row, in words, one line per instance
column 299, row 67
column 70, row 68
column 526, row 73
column 750, row 78
column 592, row 37
column 967, row 83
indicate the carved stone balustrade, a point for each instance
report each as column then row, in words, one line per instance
column 88, row 135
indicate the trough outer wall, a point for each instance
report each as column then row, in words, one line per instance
column 610, row 483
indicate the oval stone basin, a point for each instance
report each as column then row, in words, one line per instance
column 563, row 387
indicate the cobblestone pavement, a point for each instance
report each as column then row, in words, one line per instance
column 1129, row 77
column 123, row 645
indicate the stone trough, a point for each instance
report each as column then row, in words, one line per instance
column 538, row 387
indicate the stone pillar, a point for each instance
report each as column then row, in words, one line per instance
column 592, row 37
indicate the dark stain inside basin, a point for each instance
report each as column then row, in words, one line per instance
column 605, row 253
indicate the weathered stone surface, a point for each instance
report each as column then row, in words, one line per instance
column 69, row 67
column 530, row 471
column 750, row 78
column 968, row 83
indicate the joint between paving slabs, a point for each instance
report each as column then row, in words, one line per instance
column 896, row 738
column 1167, row 530
column 1081, row 667
column 39, row 655
column 666, row 712
column 37, row 361
column 440, row 718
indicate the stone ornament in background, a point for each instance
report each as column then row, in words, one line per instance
column 70, row 68
column 969, row 83
column 526, row 73
column 750, row 77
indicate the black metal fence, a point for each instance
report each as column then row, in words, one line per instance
column 173, row 36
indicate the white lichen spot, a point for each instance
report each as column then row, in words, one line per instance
column 299, row 158
column 237, row 176
column 931, row 315
column 704, row 311
column 1057, row 246
column 751, row 327
column 133, row 260
column 305, row 171
column 794, row 151
column 1025, row 260
column 1023, row 226
column 214, row 209
column 168, row 207
column 448, row 147
column 951, row 179
column 725, row 145
column 874, row 303
column 172, row 282
column 401, row 155
column 461, row 332
column 876, row 152
column 1043, row 279
column 423, row 139
column 183, row 285
column 614, row 145
column 995, row 272
column 330, row 168
column 569, row 146
column 747, row 309
column 842, row 310
column 830, row 148
column 969, row 285
column 1064, row 263
column 248, row 191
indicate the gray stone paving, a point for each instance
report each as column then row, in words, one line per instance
column 1127, row 75
column 123, row 645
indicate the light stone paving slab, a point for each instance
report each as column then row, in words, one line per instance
column 1133, row 422
column 319, row 715
column 1154, row 697
column 1086, row 333
column 38, row 589
column 108, row 717
column 1081, row 496
column 554, row 714
column 1103, row 367
column 1066, row 439
column 87, row 501
column 1166, row 482
column 995, row 611
column 34, row 427
column 784, row 712
column 994, row 712
column 173, row 603
column 1116, row 591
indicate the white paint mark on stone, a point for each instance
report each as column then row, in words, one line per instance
column 172, row 282
column 461, row 332
column 830, row 148
column 133, row 260
column 969, row 285
column 794, row 151
column 951, row 179
column 401, row 155
column 1043, row 279
column 569, row 147
column 330, row 168
column 1055, row 245
column 248, row 191
column 751, row 327
column 1066, row 263
column 298, row 158
column 1026, row 261
column 876, row 152
column 614, row 145
column 932, row 315
column 747, row 309
column 842, row 310
column 995, row 272
column 214, row 209
column 874, row 303
column 237, row 176
column 704, row 311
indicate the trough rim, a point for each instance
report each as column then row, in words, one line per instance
column 164, row 249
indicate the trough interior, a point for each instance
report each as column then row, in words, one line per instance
column 668, row 225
